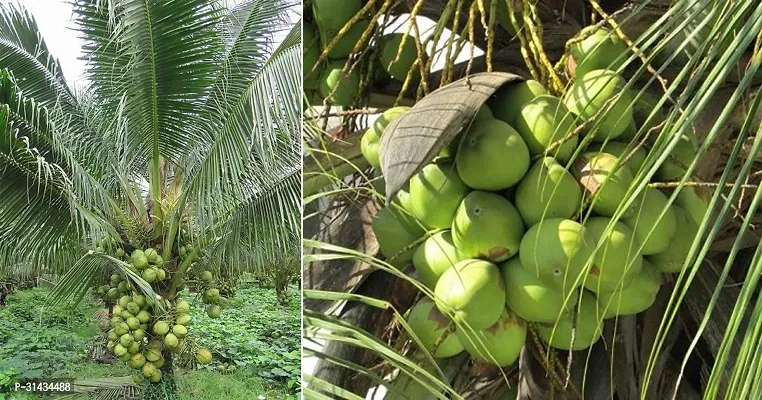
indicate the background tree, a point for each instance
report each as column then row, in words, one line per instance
column 187, row 133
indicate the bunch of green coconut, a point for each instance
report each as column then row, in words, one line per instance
column 511, row 225
column 143, row 329
column 332, row 19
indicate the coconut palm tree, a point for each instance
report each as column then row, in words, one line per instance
column 695, row 68
column 186, row 133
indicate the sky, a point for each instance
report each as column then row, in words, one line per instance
column 56, row 23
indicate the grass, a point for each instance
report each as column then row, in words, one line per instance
column 255, row 334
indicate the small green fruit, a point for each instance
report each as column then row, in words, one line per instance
column 435, row 256
column 137, row 361
column 133, row 322
column 605, row 181
column 370, row 144
column 126, row 340
column 120, row 350
column 206, row 276
column 171, row 340
column 395, row 61
column 153, row 354
column 213, row 295
column 395, row 231
column 592, row 92
column 122, row 328
column 161, row 274
column 556, row 252
column 636, row 297
column 491, row 156
column 182, row 306
column 621, row 151
column 134, row 348
column 143, row 316
column 133, row 308
column 139, row 334
column 112, row 335
column 338, row 87
column 184, row 319
column 584, row 333
column 204, row 356
column 151, row 255
column 651, row 229
column 160, row 328
column 532, row 299
column 473, row 291
column 149, row 275
column 429, row 325
column 148, row 369
column 436, row 192
column 542, row 122
column 112, row 294
column 346, row 43
column 334, row 14
column 617, row 259
column 508, row 101
column 213, row 311
column 487, row 226
column 180, row 331
column 547, row 191
column 499, row 344
column 684, row 152
column 673, row 258
column 126, row 315
column 156, row 377
column 139, row 259
column 117, row 310
column 601, row 49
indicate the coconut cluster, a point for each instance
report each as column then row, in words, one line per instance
column 512, row 223
column 338, row 27
column 142, row 329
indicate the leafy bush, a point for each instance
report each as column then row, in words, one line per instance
column 255, row 333
column 40, row 341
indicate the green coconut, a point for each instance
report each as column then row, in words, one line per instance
column 595, row 90
column 506, row 104
column 112, row 294
column 491, row 155
column 153, row 354
column 398, row 67
column 139, row 334
column 160, row 328
column 133, row 308
column 156, row 377
column 532, row 299
column 117, row 310
column 547, row 191
column 213, row 311
column 126, row 315
column 120, row 350
column 182, row 307
column 149, row 275
column 171, row 340
column 134, row 348
column 151, row 255
column 333, row 14
column 542, row 122
column 636, row 297
column 124, row 301
column 568, row 335
column 600, row 49
column 184, row 319
column 206, row 276
column 122, row 328
column 148, row 369
column 213, row 294
column 133, row 322
column 126, row 340
column 684, row 152
column 435, row 193
column 605, row 181
column 653, row 230
column 139, row 259
column 124, row 357
column 472, row 292
column 180, row 331
column 112, row 335
column 143, row 316
column 395, row 230
column 673, row 258
column 204, row 356
column 621, row 151
column 556, row 252
column 346, row 42
column 434, row 256
column 487, row 226
column 137, row 361
column 429, row 325
column 617, row 259
column 499, row 344
column 370, row 143
column 139, row 299
column 161, row 274
column 338, row 87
